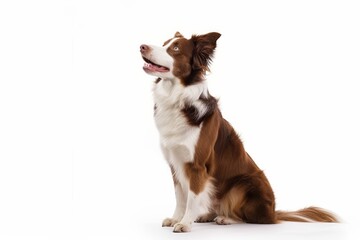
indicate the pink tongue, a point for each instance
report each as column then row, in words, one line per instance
column 154, row 68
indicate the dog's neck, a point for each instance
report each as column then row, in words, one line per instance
column 173, row 91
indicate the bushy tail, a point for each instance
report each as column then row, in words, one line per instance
column 310, row 214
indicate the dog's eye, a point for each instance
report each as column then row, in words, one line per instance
column 176, row 48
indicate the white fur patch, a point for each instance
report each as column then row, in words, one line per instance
column 160, row 56
column 176, row 134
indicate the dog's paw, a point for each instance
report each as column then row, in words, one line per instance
column 206, row 218
column 221, row 220
column 180, row 227
column 169, row 222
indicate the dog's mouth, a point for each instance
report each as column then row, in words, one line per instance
column 153, row 67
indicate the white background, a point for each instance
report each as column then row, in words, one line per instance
column 79, row 154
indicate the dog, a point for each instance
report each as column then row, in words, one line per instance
column 215, row 179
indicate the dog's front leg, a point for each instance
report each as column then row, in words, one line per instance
column 180, row 190
column 191, row 213
column 181, row 196
column 198, row 196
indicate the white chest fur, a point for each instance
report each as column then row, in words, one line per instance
column 177, row 137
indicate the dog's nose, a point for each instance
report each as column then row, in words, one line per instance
column 144, row 48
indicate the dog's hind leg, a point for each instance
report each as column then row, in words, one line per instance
column 222, row 220
column 207, row 217
column 249, row 199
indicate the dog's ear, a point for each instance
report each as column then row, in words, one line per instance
column 177, row 34
column 204, row 46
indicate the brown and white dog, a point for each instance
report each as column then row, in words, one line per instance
column 214, row 177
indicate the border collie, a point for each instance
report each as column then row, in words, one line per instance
column 215, row 179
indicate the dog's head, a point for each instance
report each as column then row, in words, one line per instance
column 181, row 58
